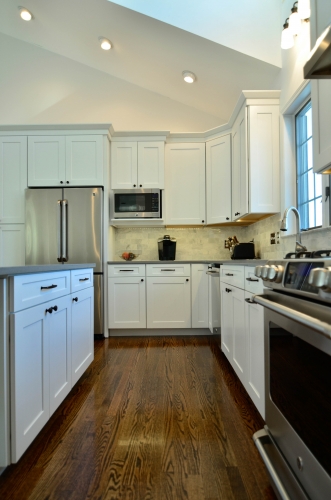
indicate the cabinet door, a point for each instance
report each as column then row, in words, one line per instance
column 185, row 184
column 226, row 321
column 46, row 161
column 127, row 302
column 29, row 377
column 59, row 331
column 254, row 380
column 218, row 180
column 239, row 166
column 82, row 332
column 151, row 165
column 239, row 354
column 321, row 115
column 199, row 286
column 168, row 302
column 84, row 160
column 264, row 159
column 124, row 165
column 13, row 175
column 12, row 245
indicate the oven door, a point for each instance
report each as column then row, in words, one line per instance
column 298, row 388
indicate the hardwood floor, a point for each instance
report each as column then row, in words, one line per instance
column 160, row 418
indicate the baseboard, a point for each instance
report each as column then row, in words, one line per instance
column 157, row 332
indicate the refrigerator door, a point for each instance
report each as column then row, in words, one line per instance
column 42, row 226
column 84, row 225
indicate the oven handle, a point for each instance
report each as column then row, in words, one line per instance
column 304, row 319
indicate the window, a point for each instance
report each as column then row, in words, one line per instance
column 309, row 185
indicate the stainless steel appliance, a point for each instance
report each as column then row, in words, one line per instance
column 141, row 203
column 243, row 251
column 66, row 225
column 167, row 248
column 214, row 300
column 296, row 441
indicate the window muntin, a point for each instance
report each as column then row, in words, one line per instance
column 309, row 185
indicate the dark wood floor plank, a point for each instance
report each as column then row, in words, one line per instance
column 153, row 418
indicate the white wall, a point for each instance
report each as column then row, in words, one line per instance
column 40, row 87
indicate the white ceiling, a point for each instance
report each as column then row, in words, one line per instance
column 152, row 54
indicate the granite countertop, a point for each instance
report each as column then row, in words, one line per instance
column 241, row 262
column 45, row 268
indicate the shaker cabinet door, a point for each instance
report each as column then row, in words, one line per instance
column 46, row 161
column 123, row 165
column 127, row 302
column 82, row 332
column 218, row 180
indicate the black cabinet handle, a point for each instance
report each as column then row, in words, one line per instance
column 140, row 185
column 141, row 280
column 134, row 185
column 50, row 310
column 61, row 182
column 84, row 279
column 228, row 274
column 187, row 279
column 54, row 308
column 250, row 301
column 47, row 287
column 237, row 213
column 227, row 218
column 202, row 221
column 67, row 182
column 228, row 290
column 251, row 279
column 75, row 299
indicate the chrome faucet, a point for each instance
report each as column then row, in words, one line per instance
column 283, row 227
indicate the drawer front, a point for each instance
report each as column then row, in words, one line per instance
column 168, row 270
column 126, row 270
column 81, row 278
column 233, row 275
column 29, row 290
column 252, row 283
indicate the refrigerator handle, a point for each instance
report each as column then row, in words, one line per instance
column 59, row 256
column 64, row 256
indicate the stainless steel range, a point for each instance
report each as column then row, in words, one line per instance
column 295, row 444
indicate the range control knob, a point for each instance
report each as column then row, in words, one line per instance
column 321, row 278
column 264, row 272
column 258, row 270
column 275, row 273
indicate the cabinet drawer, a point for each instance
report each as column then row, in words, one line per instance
column 81, row 278
column 126, row 270
column 168, row 270
column 233, row 275
column 252, row 283
column 32, row 289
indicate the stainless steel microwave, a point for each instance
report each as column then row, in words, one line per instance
column 137, row 203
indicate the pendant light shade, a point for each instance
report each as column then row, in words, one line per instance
column 304, row 9
column 294, row 23
column 287, row 40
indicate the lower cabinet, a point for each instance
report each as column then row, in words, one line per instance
column 242, row 326
column 200, row 295
column 168, row 302
column 51, row 345
column 127, row 302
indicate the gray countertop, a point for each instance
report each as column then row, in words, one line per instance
column 45, row 268
column 241, row 262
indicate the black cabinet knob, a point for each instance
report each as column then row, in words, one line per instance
column 50, row 310
column 141, row 280
column 140, row 185
column 61, row 182
column 187, row 279
column 134, row 185
column 55, row 308
column 237, row 213
column 203, row 222
column 67, row 182
column 227, row 218
column 75, row 299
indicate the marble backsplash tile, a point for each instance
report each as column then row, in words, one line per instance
column 208, row 243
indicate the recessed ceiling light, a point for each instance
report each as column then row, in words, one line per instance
column 25, row 14
column 104, row 43
column 189, row 77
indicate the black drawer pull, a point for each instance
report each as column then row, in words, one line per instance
column 228, row 274
column 126, row 270
column 47, row 287
column 84, row 279
column 168, row 269
column 75, row 299
column 251, row 279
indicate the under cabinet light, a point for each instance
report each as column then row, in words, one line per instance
column 25, row 14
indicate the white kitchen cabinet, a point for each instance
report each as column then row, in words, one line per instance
column 255, row 161
column 12, row 245
column 218, row 180
column 168, row 302
column 127, row 302
column 13, row 175
column 73, row 160
column 242, row 326
column 137, row 165
column 199, row 291
column 29, row 377
column 82, row 332
column 185, row 184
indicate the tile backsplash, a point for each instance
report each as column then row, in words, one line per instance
column 208, row 243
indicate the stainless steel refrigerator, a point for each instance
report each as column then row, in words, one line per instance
column 66, row 225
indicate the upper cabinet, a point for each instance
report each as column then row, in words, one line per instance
column 74, row 160
column 218, row 180
column 185, row 184
column 255, row 162
column 137, row 164
column 320, row 95
column 13, row 175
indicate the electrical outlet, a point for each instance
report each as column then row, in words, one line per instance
column 277, row 238
column 272, row 238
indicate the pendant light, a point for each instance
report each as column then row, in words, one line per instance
column 304, row 9
column 294, row 23
column 287, row 40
